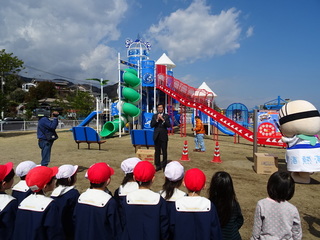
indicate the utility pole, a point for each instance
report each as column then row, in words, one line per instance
column 2, row 91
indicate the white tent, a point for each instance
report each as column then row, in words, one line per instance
column 199, row 93
column 165, row 60
column 205, row 87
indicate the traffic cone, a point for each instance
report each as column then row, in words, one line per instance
column 185, row 155
column 216, row 156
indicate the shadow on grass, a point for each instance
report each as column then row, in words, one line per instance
column 82, row 168
column 314, row 225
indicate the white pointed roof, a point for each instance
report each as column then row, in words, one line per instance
column 165, row 60
column 205, row 87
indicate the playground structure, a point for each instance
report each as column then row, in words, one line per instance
column 275, row 104
column 239, row 113
column 126, row 106
column 139, row 86
column 186, row 95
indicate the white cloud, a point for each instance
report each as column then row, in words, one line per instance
column 96, row 62
column 189, row 79
column 249, row 32
column 194, row 33
column 55, row 35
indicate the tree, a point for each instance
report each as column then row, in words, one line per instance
column 42, row 90
column 82, row 102
column 10, row 66
column 17, row 95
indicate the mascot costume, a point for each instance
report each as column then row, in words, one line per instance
column 299, row 124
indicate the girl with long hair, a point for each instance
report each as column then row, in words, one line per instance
column 222, row 194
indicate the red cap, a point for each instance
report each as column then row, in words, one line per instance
column 5, row 170
column 144, row 171
column 99, row 172
column 194, row 180
column 39, row 176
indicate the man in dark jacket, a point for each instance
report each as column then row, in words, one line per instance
column 46, row 134
column 160, row 122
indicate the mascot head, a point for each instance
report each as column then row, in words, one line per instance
column 299, row 117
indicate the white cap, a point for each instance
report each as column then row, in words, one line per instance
column 24, row 167
column 66, row 171
column 174, row 171
column 128, row 165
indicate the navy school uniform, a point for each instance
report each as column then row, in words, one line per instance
column 145, row 216
column 96, row 216
column 66, row 198
column 195, row 218
column 121, row 192
column 175, row 196
column 20, row 191
column 8, row 209
column 38, row 218
column 120, row 195
column 171, row 203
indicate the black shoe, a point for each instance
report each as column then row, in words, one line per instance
column 158, row 169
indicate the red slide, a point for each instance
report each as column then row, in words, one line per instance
column 198, row 98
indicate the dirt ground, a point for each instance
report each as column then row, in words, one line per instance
column 237, row 160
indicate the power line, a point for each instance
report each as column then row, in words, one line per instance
column 53, row 74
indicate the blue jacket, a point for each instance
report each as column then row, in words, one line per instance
column 45, row 125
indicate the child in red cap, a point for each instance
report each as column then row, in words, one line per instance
column 195, row 216
column 38, row 215
column 145, row 213
column 8, row 204
column 96, row 213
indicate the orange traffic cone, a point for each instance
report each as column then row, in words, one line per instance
column 185, row 155
column 216, row 156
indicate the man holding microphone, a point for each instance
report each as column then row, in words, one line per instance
column 160, row 122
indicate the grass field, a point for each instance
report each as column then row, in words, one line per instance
column 237, row 159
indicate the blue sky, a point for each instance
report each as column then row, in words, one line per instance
column 247, row 51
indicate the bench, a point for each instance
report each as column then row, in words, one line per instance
column 86, row 135
column 142, row 138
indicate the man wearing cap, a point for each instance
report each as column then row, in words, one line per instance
column 144, row 212
column 46, row 133
column 195, row 216
column 160, row 122
column 8, row 204
column 38, row 215
column 96, row 213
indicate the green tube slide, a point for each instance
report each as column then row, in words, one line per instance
column 131, row 95
column 111, row 127
column 131, row 79
column 131, row 70
column 130, row 110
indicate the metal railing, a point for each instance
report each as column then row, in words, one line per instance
column 192, row 94
column 6, row 126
